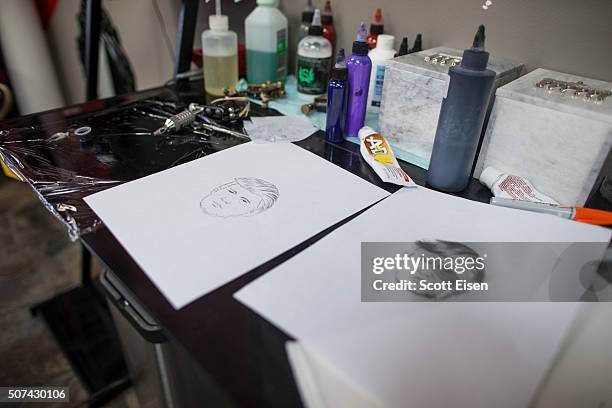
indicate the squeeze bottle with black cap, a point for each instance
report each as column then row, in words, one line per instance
column 461, row 118
column 306, row 20
column 336, row 100
column 314, row 55
column 359, row 68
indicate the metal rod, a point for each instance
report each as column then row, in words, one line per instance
column 93, row 15
column 220, row 129
column 186, row 32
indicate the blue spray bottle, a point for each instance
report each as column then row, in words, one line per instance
column 336, row 100
column 359, row 66
column 461, row 118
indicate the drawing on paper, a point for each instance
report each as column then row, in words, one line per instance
column 443, row 253
column 245, row 196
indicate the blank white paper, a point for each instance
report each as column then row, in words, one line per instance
column 197, row 226
column 322, row 387
column 421, row 354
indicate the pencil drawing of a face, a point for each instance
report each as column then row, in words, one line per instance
column 245, row 196
column 443, row 250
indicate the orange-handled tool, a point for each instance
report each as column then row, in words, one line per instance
column 586, row 215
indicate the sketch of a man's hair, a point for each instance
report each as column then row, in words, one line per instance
column 443, row 250
column 267, row 191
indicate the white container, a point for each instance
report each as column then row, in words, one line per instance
column 384, row 51
column 512, row 187
column 266, row 43
column 219, row 55
column 314, row 55
column 559, row 142
column 412, row 97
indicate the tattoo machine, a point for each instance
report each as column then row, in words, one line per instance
column 188, row 117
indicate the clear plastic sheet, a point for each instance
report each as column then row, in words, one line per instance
column 69, row 154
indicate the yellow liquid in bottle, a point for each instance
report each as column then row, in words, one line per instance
column 220, row 73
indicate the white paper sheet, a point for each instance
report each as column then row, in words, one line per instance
column 580, row 377
column 320, row 386
column 195, row 227
column 279, row 129
column 422, row 354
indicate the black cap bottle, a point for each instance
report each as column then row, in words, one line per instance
column 360, row 45
column 461, row 119
column 337, row 89
column 314, row 58
column 307, row 15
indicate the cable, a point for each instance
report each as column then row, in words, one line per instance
column 160, row 19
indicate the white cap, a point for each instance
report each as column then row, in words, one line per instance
column 385, row 41
column 365, row 132
column 266, row 2
column 489, row 176
column 218, row 22
column 316, row 18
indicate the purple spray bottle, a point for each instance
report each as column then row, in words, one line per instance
column 359, row 67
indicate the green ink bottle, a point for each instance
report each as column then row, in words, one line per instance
column 265, row 32
column 314, row 56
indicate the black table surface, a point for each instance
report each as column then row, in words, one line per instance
column 243, row 353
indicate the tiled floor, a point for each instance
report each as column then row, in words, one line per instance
column 37, row 261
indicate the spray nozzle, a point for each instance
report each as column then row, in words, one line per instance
column 309, row 6
column 479, row 39
column 315, row 28
column 363, row 32
column 403, row 49
column 218, row 6
column 327, row 8
column 340, row 71
column 316, row 18
column 378, row 16
column 418, row 44
column 340, row 59
column 476, row 58
column 217, row 21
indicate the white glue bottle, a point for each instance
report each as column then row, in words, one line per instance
column 383, row 52
column 219, row 54
column 314, row 56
